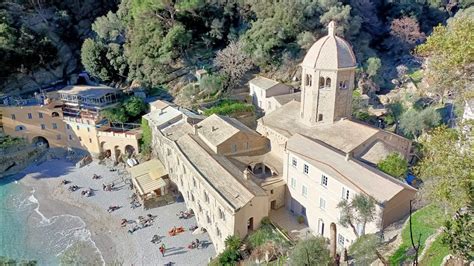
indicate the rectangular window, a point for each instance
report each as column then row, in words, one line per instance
column 13, row 117
column 70, row 137
column 68, row 126
column 88, row 129
column 58, row 137
column 293, row 183
column 90, row 140
column 340, row 240
column 80, row 139
column 77, row 127
column 43, row 127
column 40, row 115
column 345, row 193
column 234, row 147
column 324, row 181
column 322, row 203
column 294, row 162
column 304, row 191
column 306, row 169
column 30, row 116
column 247, row 146
column 55, row 126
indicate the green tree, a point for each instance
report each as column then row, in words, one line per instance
column 446, row 167
column 116, row 114
column 357, row 213
column 459, row 234
column 93, row 57
column 373, row 66
column 450, row 55
column 231, row 253
column 211, row 84
column 134, row 106
column 365, row 249
column 308, row 252
column 395, row 165
column 413, row 122
column 146, row 140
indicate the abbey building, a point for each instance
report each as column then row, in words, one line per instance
column 306, row 155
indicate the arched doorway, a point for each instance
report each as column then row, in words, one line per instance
column 129, row 150
column 250, row 224
column 332, row 238
column 40, row 142
column 118, row 153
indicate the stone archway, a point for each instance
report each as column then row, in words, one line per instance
column 117, row 153
column 129, row 150
column 40, row 141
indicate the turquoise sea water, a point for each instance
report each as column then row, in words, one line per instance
column 25, row 233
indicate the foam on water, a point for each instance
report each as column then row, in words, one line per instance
column 61, row 232
column 26, row 233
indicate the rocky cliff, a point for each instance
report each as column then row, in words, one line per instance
column 64, row 24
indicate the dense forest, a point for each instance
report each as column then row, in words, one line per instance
column 40, row 40
column 152, row 42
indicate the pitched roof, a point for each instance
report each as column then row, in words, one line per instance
column 286, row 98
column 344, row 135
column 217, row 129
column 263, row 83
column 161, row 117
column 226, row 179
column 367, row 179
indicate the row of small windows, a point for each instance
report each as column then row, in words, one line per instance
column 325, row 82
column 40, row 115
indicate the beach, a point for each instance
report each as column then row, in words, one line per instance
column 60, row 225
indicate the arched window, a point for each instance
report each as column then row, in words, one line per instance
column 321, row 82
column 55, row 114
column 328, row 82
column 309, row 80
column 343, row 85
column 20, row 128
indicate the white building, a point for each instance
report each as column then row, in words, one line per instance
column 262, row 89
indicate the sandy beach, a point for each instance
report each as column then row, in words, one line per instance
column 111, row 243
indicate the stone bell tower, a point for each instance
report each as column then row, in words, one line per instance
column 327, row 80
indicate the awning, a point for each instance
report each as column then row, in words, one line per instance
column 149, row 176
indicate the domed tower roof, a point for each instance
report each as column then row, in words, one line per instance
column 330, row 52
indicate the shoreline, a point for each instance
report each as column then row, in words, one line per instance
column 54, row 201
column 60, row 218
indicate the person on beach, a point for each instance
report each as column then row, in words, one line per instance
column 162, row 250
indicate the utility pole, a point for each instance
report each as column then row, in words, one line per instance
column 415, row 247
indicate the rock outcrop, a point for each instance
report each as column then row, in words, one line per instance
column 66, row 23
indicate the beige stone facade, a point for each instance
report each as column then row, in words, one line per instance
column 70, row 118
column 327, row 157
column 306, row 156
column 263, row 89
column 198, row 158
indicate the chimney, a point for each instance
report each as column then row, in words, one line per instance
column 348, row 156
column 161, row 111
column 213, row 128
column 247, row 174
column 195, row 126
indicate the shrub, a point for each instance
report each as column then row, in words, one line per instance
column 227, row 107
column 310, row 252
column 229, row 256
column 394, row 165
